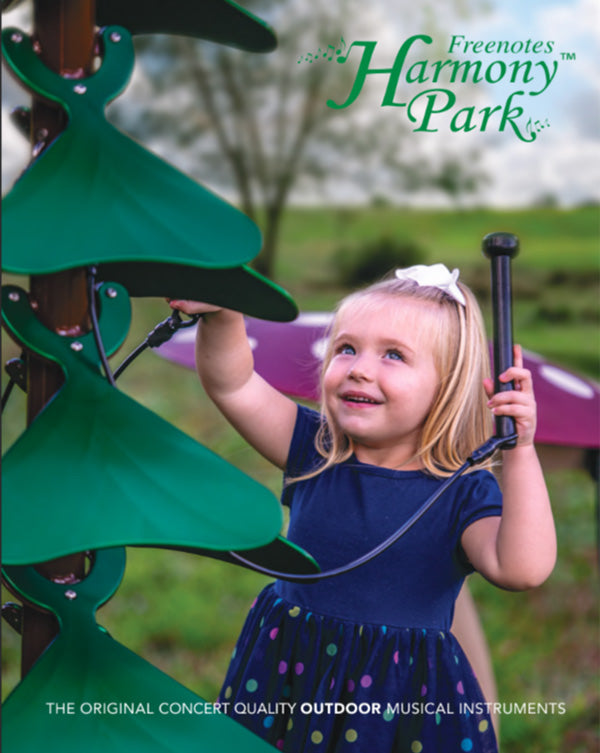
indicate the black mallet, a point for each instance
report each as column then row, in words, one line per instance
column 500, row 248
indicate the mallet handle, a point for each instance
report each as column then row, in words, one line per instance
column 500, row 248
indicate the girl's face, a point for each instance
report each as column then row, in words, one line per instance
column 382, row 380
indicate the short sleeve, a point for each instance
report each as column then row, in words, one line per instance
column 303, row 456
column 480, row 498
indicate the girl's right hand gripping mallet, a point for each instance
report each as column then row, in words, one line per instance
column 500, row 249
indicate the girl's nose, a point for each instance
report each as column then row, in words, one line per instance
column 361, row 369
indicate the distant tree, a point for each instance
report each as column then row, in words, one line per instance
column 259, row 122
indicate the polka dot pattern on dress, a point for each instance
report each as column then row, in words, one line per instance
column 314, row 648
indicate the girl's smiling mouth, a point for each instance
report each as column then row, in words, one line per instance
column 359, row 398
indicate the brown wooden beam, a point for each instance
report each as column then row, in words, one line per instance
column 64, row 37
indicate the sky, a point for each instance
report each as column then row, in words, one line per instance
column 564, row 160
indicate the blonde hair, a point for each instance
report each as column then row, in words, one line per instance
column 459, row 420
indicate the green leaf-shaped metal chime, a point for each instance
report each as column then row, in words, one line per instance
column 95, row 196
column 220, row 21
column 90, row 693
column 96, row 469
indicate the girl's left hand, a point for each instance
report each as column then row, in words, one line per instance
column 518, row 403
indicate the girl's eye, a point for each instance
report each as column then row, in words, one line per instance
column 346, row 350
column 394, row 355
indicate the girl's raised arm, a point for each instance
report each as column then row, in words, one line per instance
column 518, row 550
column 261, row 414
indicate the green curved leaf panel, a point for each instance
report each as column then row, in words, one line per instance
column 88, row 669
column 238, row 288
column 96, row 469
column 220, row 21
column 94, row 195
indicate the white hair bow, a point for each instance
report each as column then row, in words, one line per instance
column 434, row 275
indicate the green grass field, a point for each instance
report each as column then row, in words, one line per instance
column 183, row 613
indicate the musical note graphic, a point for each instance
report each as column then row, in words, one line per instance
column 328, row 55
column 538, row 125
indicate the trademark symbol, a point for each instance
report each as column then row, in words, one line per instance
column 568, row 56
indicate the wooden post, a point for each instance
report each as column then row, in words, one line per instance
column 64, row 38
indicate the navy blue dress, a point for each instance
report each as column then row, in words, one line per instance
column 365, row 661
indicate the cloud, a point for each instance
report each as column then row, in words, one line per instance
column 564, row 168
column 577, row 23
column 576, row 28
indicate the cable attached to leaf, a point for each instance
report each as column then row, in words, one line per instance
column 160, row 334
column 92, row 289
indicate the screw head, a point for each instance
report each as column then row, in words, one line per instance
column 76, row 346
column 70, row 594
column 115, row 37
column 111, row 293
column 80, row 88
column 17, row 37
column 14, row 296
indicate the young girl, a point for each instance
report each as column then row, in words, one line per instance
column 365, row 661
